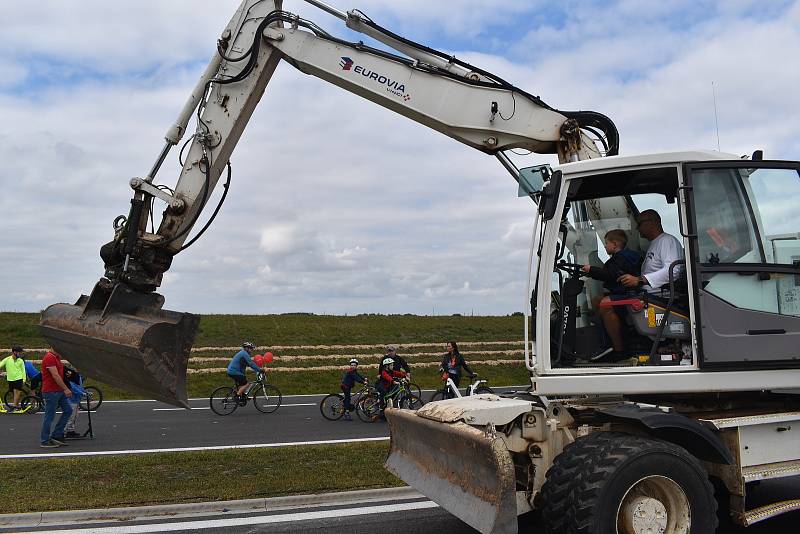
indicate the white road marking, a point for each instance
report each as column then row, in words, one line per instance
column 208, row 408
column 190, row 449
column 253, row 520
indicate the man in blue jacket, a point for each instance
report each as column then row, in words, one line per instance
column 239, row 364
column 33, row 375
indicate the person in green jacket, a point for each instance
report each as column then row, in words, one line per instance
column 15, row 373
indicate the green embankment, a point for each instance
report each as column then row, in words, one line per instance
column 307, row 329
column 322, row 330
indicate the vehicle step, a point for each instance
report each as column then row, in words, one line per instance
column 757, row 515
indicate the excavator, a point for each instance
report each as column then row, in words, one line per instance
column 672, row 438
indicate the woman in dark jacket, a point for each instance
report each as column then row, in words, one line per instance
column 452, row 362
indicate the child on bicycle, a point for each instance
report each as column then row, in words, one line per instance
column 350, row 377
column 386, row 375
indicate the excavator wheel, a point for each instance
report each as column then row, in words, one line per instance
column 632, row 484
column 560, row 479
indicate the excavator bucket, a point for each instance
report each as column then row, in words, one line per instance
column 467, row 471
column 123, row 338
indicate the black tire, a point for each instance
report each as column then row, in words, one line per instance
column 332, row 406
column 415, row 389
column 223, row 401
column 412, row 402
column 619, row 469
column 30, row 404
column 368, row 408
column 267, row 398
column 8, row 398
column 439, row 395
column 483, row 389
column 92, row 399
column 558, row 483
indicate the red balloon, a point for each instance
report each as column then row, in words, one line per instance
column 267, row 357
column 258, row 360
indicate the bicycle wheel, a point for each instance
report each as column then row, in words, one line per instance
column 267, row 398
column 8, row 398
column 30, row 404
column 415, row 389
column 223, row 401
column 483, row 389
column 93, row 399
column 411, row 402
column 332, row 406
column 368, row 409
column 439, row 395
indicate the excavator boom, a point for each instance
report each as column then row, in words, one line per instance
column 123, row 320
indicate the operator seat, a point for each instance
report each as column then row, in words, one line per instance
column 646, row 312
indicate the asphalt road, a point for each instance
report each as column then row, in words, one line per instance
column 148, row 425
column 404, row 516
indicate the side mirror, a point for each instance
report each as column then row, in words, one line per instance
column 548, row 204
column 532, row 179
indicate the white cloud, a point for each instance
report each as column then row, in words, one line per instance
column 338, row 205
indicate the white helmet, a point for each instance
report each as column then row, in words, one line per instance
column 247, row 345
column 353, row 361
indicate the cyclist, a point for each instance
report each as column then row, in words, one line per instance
column 386, row 384
column 15, row 373
column 452, row 362
column 349, row 379
column 400, row 364
column 34, row 376
column 239, row 364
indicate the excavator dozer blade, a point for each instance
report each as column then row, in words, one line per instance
column 123, row 338
column 466, row 471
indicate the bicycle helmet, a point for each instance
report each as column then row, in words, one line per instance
column 353, row 361
column 247, row 345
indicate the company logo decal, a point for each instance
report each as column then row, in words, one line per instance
column 346, row 63
column 392, row 86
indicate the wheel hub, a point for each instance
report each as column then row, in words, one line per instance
column 654, row 505
column 645, row 515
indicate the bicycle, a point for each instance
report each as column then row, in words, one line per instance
column 332, row 406
column 31, row 401
column 266, row 397
column 27, row 404
column 369, row 409
column 450, row 391
column 93, row 398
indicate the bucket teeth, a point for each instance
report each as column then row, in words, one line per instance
column 124, row 339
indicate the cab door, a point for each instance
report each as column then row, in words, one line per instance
column 744, row 236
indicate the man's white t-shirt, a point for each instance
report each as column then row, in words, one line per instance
column 663, row 250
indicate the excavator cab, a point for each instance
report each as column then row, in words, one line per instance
column 736, row 273
column 729, row 304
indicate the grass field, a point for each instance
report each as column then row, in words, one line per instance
column 167, row 478
column 308, row 329
column 312, row 350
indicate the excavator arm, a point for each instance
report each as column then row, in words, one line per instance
column 120, row 334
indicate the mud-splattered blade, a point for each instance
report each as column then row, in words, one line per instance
column 466, row 472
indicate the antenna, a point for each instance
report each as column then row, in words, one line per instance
column 716, row 119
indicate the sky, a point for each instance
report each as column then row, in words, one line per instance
column 338, row 206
